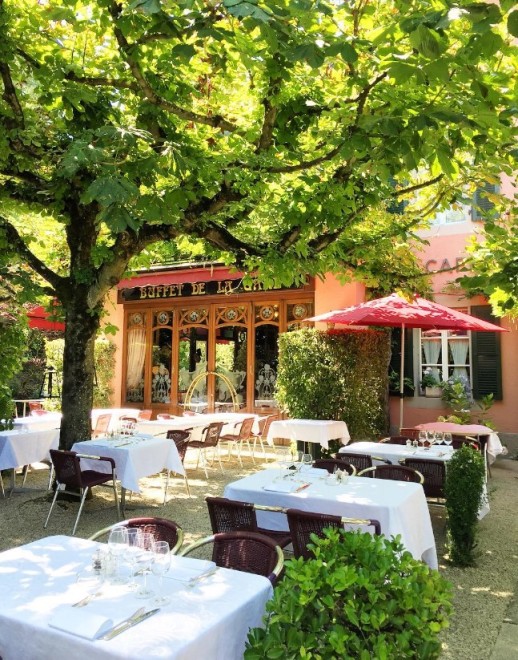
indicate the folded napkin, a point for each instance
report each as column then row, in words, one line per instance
column 186, row 568
column 283, row 486
column 80, row 621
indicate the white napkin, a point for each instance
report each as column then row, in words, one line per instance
column 80, row 622
column 187, row 568
column 282, row 486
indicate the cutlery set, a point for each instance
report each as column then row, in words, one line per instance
column 137, row 617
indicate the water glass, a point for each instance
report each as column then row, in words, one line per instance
column 131, row 556
column 118, row 542
column 447, row 439
column 145, row 559
column 161, row 564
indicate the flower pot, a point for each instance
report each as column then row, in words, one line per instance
column 433, row 392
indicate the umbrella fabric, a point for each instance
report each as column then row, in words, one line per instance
column 396, row 311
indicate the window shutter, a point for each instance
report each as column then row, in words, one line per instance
column 486, row 357
column 395, row 358
column 482, row 206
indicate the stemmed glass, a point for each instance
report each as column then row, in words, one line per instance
column 132, row 553
column 117, row 542
column 161, row 563
column 145, row 560
column 422, row 438
column 307, row 460
column 448, row 439
column 438, row 438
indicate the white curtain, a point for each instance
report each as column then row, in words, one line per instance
column 431, row 351
column 459, row 351
column 136, row 357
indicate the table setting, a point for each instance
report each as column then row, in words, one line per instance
column 319, row 431
column 64, row 592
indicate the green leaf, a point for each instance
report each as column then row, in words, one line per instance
column 512, row 23
column 427, row 42
column 345, row 50
column 401, row 71
column 146, row 6
column 109, row 190
column 309, row 53
column 184, row 51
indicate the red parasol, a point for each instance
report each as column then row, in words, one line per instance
column 396, row 311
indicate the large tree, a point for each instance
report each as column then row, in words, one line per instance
column 280, row 133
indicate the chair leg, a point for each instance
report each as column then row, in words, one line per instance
column 187, row 485
column 2, row 484
column 56, row 493
column 51, row 476
column 166, row 486
column 117, row 506
column 83, row 498
column 25, row 472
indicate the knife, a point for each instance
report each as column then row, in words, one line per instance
column 128, row 623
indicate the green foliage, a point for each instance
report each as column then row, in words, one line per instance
column 361, row 597
column 464, row 487
column 13, row 342
column 429, row 379
column 457, row 395
column 26, row 383
column 105, row 371
column 335, row 375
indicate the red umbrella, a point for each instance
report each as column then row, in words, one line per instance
column 396, row 311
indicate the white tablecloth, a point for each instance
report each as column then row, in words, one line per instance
column 320, row 431
column 209, row 621
column 137, row 457
column 18, row 448
column 493, row 447
column 399, row 506
column 50, row 420
column 196, row 422
column 394, row 453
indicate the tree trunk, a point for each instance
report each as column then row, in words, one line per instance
column 78, row 370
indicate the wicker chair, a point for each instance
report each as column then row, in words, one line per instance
column 233, row 516
column 458, row 441
column 210, row 440
column 264, row 426
column 102, row 425
column 305, row 523
column 144, row 415
column 35, row 405
column 244, row 551
column 393, row 472
column 238, row 439
column 434, row 473
column 333, row 464
column 360, row 461
column 69, row 475
column 161, row 529
column 181, row 440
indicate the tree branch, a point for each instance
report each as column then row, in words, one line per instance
column 16, row 241
column 116, row 83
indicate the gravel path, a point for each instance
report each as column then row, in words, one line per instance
column 481, row 594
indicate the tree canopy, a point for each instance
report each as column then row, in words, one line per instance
column 281, row 134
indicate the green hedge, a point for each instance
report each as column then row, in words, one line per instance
column 336, row 375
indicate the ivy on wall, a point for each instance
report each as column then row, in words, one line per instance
column 13, row 344
column 341, row 375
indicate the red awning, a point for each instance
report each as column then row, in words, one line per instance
column 39, row 318
column 180, row 276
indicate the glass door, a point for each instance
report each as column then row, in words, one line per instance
column 231, row 342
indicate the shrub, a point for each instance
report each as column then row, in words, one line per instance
column 464, row 488
column 361, row 597
column 336, row 375
column 13, row 342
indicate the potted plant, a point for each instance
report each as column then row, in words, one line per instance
column 431, row 384
column 361, row 596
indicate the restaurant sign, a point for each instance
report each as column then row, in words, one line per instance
column 190, row 289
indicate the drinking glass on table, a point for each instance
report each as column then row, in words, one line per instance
column 118, row 543
column 161, row 564
column 438, row 437
column 145, row 559
column 307, row 460
column 448, row 439
column 422, row 437
column 131, row 555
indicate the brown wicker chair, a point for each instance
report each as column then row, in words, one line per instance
column 233, row 516
column 102, row 425
column 244, row 551
column 69, row 475
column 434, row 473
column 305, row 523
column 458, row 441
column 241, row 437
column 264, row 426
column 394, row 473
column 210, row 440
column 333, row 464
column 181, row 440
column 161, row 529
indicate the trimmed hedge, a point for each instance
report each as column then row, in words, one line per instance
column 339, row 375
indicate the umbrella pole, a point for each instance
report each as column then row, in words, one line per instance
column 402, row 377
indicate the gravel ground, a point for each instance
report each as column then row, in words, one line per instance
column 481, row 594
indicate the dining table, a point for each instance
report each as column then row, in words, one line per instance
column 41, row 581
column 47, row 421
column 488, row 437
column 399, row 506
column 320, row 431
column 196, row 422
column 19, row 448
column 135, row 456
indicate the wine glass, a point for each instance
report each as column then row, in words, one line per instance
column 145, row 560
column 161, row 563
column 118, row 542
column 422, row 438
column 438, row 437
column 307, row 460
column 448, row 439
column 132, row 554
